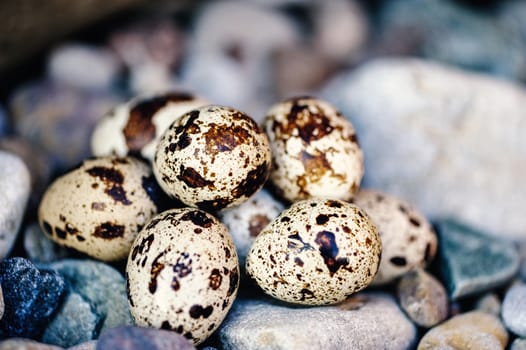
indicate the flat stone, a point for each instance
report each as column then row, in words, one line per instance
column 364, row 321
column 14, row 193
column 89, row 345
column 25, row 344
column 472, row 330
column 518, row 344
column 514, row 309
column 473, row 262
column 103, row 287
column 74, row 322
column 39, row 248
column 137, row 338
column 489, row 303
column 423, row 298
column 30, row 296
column 441, row 141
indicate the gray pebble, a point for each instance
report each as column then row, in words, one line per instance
column 518, row 344
column 514, row 309
column 137, row 338
column 489, row 303
column 25, row 344
column 423, row 298
column 89, row 345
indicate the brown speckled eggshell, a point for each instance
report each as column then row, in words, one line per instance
column 135, row 127
column 182, row 273
column 99, row 207
column 317, row 252
column 315, row 151
column 212, row 158
column 408, row 239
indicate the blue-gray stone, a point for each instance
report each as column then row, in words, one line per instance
column 518, row 344
column 364, row 321
column 138, row 338
column 514, row 309
column 473, row 262
column 103, row 287
column 74, row 323
column 31, row 296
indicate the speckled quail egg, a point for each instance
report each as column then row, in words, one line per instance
column 135, row 127
column 99, row 207
column 319, row 251
column 408, row 239
column 212, row 158
column 182, row 273
column 247, row 220
column 315, row 151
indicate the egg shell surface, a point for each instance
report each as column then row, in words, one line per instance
column 135, row 127
column 317, row 252
column 99, row 207
column 212, row 158
column 182, row 273
column 408, row 239
column 315, row 151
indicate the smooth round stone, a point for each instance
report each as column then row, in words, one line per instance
column 408, row 240
column 14, row 193
column 89, row 345
column 489, row 303
column 423, row 298
column 26, row 344
column 83, row 66
column 137, row 338
column 31, row 296
column 514, row 309
column 472, row 330
column 518, row 344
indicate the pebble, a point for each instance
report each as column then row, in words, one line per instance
column 39, row 248
column 2, row 304
column 449, row 32
column 58, row 120
column 364, row 321
column 31, row 296
column 423, row 298
column 14, row 193
column 522, row 253
column 73, row 323
column 514, row 309
column 408, row 240
column 489, row 303
column 473, row 262
column 89, row 345
column 101, row 286
column 25, row 344
column 82, row 66
column 518, row 344
column 137, row 338
column 472, row 330
column 423, row 113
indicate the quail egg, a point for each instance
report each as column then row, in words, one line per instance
column 317, row 252
column 182, row 273
column 99, row 207
column 135, row 127
column 408, row 239
column 212, row 158
column 315, row 151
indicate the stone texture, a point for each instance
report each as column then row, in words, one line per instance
column 39, row 248
column 489, row 303
column 75, row 322
column 472, row 330
column 137, row 338
column 89, row 345
column 14, row 193
column 362, row 322
column 514, row 309
column 471, row 261
column 25, row 344
column 30, row 296
column 423, row 298
column 101, row 286
column 449, row 32
column 518, row 344
column 432, row 138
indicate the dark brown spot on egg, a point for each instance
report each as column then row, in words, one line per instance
column 113, row 180
column 192, row 178
column 429, row 253
column 296, row 242
column 155, row 271
column 329, row 251
column 184, row 131
column 298, row 262
column 253, row 181
column 257, row 223
column 414, row 221
column 198, row 218
column 166, row 325
column 224, row 138
column 398, row 261
column 306, row 294
column 197, row 311
column 143, row 247
column 215, row 279
column 233, row 281
column 333, row 204
column 322, row 219
column 214, row 204
column 128, row 293
column 47, row 228
column 60, row 233
column 227, row 253
column 109, row 230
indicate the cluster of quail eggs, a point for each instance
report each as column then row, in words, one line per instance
column 311, row 236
